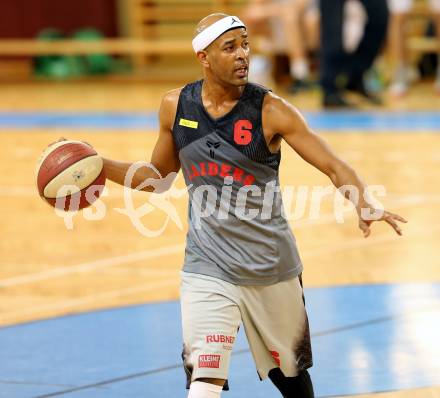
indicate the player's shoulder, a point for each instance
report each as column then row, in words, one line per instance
column 170, row 100
column 171, row 97
column 273, row 103
column 168, row 107
column 279, row 114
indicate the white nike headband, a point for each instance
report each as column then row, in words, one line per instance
column 207, row 36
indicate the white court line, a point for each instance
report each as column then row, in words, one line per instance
column 145, row 272
column 92, row 265
column 19, row 190
column 94, row 298
column 365, row 242
column 393, row 201
column 32, row 191
column 330, row 249
column 26, row 191
column 163, row 251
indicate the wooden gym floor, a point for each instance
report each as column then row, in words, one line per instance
column 47, row 270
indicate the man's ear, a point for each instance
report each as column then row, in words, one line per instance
column 203, row 58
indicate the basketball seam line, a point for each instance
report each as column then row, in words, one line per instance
column 48, row 182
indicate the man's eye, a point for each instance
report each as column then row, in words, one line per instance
column 228, row 48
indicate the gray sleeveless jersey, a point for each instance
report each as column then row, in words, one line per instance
column 236, row 229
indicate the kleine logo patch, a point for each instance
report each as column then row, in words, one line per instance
column 209, row 361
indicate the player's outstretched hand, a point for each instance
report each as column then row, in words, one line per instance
column 388, row 217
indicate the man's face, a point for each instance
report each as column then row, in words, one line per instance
column 228, row 57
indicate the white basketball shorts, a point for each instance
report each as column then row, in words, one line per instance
column 274, row 320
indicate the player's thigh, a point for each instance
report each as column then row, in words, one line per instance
column 277, row 327
column 210, row 320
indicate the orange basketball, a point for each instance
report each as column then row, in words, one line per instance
column 70, row 175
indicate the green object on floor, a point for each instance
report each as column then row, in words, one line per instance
column 94, row 64
column 56, row 66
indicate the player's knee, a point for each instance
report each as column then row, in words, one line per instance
column 293, row 387
column 206, row 388
column 217, row 382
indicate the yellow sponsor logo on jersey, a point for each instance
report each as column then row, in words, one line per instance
column 189, row 123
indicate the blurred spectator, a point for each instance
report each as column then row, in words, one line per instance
column 293, row 27
column 402, row 73
column 341, row 70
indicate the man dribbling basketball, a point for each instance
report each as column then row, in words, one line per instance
column 241, row 263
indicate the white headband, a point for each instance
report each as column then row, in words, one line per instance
column 207, row 36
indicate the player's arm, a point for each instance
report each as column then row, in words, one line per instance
column 164, row 158
column 259, row 10
column 282, row 119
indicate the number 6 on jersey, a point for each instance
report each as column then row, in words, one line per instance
column 242, row 132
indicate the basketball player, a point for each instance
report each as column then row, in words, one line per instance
column 225, row 134
column 292, row 27
column 342, row 71
column 401, row 78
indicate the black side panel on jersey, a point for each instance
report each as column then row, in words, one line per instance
column 193, row 122
column 188, row 110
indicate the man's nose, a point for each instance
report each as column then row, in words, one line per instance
column 241, row 53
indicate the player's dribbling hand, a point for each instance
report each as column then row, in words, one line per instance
column 388, row 217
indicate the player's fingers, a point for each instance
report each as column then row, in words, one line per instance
column 365, row 228
column 398, row 218
column 395, row 226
